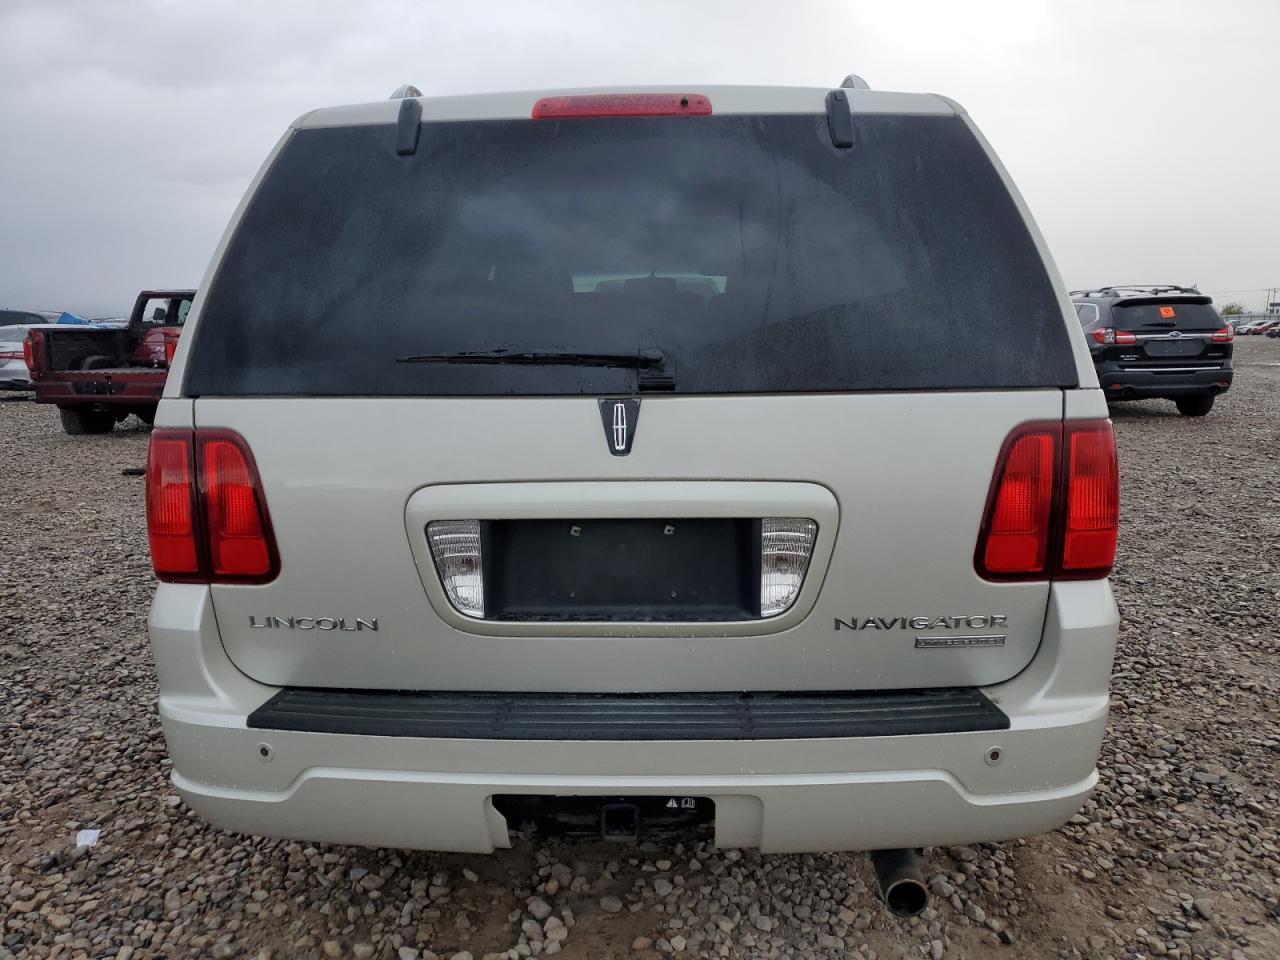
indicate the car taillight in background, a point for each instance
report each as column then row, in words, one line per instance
column 170, row 348
column 1110, row 335
column 206, row 517
column 33, row 353
column 1224, row 335
column 13, row 354
column 1054, row 507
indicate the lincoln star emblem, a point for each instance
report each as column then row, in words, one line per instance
column 620, row 417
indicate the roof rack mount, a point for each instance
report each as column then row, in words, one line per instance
column 1138, row 289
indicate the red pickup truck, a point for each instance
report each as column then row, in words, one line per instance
column 98, row 376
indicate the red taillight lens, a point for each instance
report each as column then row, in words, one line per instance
column 239, row 546
column 171, row 506
column 33, row 352
column 206, row 517
column 1112, row 335
column 1224, row 335
column 1015, row 535
column 170, row 348
column 1052, row 513
column 13, row 354
column 623, row 105
column 1092, row 501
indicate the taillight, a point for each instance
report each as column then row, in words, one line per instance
column 170, row 348
column 622, row 105
column 1111, row 335
column 1224, row 335
column 206, row 517
column 1015, row 535
column 1053, row 510
column 171, row 506
column 13, row 354
column 1092, row 501
column 33, row 352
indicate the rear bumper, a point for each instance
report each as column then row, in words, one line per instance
column 115, row 392
column 1136, row 384
column 839, row 793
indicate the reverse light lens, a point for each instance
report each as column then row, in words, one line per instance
column 455, row 547
column 171, row 513
column 1093, row 501
column 786, row 546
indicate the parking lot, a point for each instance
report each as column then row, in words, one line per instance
column 1178, row 854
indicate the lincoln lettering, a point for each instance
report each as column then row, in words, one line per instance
column 313, row 623
column 976, row 622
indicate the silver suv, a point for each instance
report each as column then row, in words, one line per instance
column 727, row 456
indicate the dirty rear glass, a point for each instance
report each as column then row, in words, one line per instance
column 755, row 255
column 1167, row 315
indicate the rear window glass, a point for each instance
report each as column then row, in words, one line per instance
column 755, row 255
column 1167, row 315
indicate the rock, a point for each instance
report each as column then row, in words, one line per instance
column 610, row 904
column 362, row 951
column 1204, row 908
column 662, row 886
column 539, row 909
column 331, row 948
column 172, row 901
column 641, row 943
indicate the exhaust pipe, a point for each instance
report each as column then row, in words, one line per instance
column 901, row 885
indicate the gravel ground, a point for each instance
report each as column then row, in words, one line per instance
column 1177, row 855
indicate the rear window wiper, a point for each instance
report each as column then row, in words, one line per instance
column 656, row 369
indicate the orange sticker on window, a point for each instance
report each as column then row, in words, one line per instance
column 1167, row 312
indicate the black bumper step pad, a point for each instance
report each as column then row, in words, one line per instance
column 629, row 717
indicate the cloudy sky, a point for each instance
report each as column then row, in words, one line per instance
column 1143, row 133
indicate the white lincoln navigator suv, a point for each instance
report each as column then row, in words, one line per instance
column 728, row 456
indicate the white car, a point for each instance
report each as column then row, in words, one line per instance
column 14, row 327
column 800, row 532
